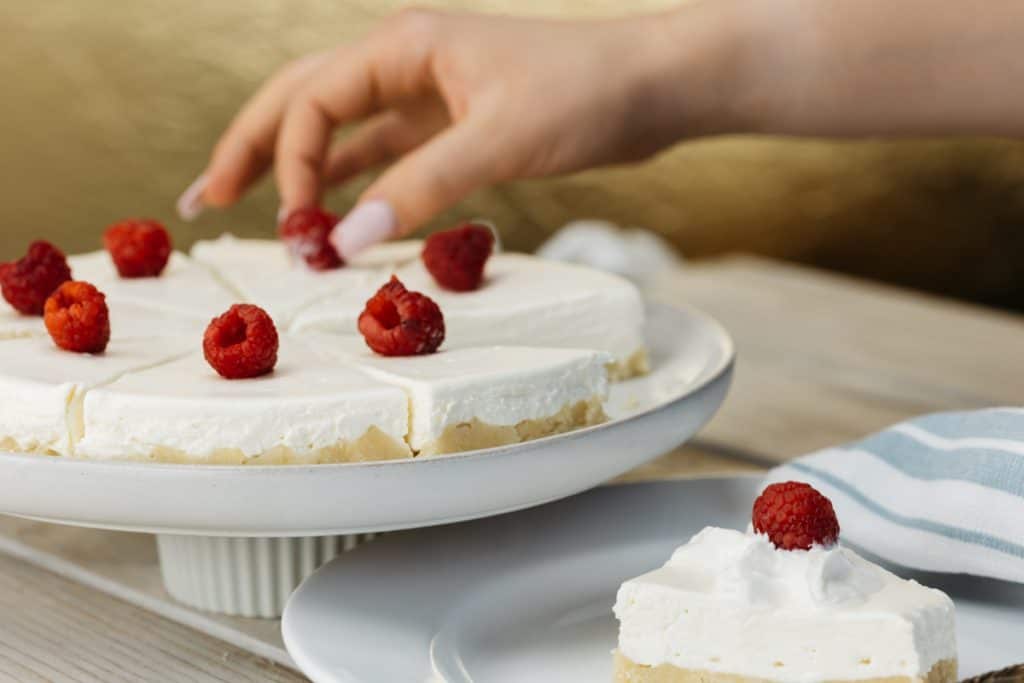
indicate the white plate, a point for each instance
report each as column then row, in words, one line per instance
column 528, row 596
column 692, row 359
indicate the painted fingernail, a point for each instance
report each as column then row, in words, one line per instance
column 369, row 223
column 190, row 203
column 494, row 231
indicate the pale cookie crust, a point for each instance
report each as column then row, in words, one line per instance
column 634, row 366
column 469, row 436
column 627, row 671
column 373, row 445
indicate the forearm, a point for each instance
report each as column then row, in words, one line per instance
column 849, row 67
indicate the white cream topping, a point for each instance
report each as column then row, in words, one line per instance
column 128, row 320
column 184, row 287
column 495, row 385
column 41, row 386
column 307, row 403
column 14, row 325
column 265, row 273
column 523, row 299
column 731, row 602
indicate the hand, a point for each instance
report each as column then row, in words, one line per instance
column 453, row 102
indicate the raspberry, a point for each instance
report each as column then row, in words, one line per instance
column 139, row 248
column 397, row 322
column 77, row 318
column 27, row 283
column 456, row 257
column 795, row 516
column 241, row 343
column 306, row 232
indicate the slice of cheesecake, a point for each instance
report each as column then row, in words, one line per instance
column 184, row 287
column 730, row 607
column 523, row 300
column 264, row 272
column 310, row 409
column 41, row 386
column 466, row 399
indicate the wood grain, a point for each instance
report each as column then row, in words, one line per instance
column 825, row 358
column 56, row 630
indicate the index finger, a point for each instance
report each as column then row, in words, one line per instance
column 392, row 65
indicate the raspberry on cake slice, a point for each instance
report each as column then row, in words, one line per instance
column 781, row 602
column 27, row 283
column 310, row 409
column 183, row 286
column 77, row 318
column 457, row 257
column 263, row 272
column 397, row 322
column 42, row 386
column 241, row 343
column 492, row 396
column 138, row 247
column 522, row 300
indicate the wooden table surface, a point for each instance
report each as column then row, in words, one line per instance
column 822, row 359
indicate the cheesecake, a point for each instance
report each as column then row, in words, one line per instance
column 467, row 399
column 264, row 272
column 729, row 607
column 523, row 299
column 184, row 287
column 42, row 388
column 527, row 355
column 311, row 409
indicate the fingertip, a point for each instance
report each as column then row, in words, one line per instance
column 370, row 222
column 191, row 203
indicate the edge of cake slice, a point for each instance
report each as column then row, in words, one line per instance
column 310, row 409
column 467, row 399
column 42, row 387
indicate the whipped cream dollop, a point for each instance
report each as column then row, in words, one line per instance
column 732, row 602
column 748, row 568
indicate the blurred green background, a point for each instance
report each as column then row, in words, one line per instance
column 110, row 109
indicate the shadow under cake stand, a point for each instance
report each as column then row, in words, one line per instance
column 239, row 539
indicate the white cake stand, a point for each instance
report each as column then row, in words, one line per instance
column 239, row 539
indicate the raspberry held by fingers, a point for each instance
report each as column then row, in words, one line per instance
column 77, row 318
column 241, row 343
column 456, row 257
column 307, row 234
column 28, row 282
column 397, row 322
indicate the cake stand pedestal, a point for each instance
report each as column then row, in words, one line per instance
column 247, row 577
column 239, row 539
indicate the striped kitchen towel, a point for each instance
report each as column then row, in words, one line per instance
column 943, row 492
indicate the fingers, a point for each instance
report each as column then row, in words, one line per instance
column 384, row 138
column 392, row 66
column 245, row 150
column 421, row 185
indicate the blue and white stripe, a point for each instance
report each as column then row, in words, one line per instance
column 943, row 492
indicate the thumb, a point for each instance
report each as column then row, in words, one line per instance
column 423, row 183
